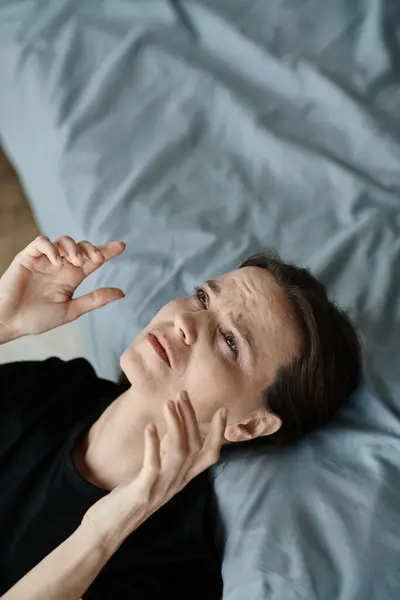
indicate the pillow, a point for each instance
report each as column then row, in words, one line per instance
column 319, row 520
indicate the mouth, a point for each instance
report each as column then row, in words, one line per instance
column 159, row 348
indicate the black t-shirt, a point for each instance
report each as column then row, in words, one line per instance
column 45, row 406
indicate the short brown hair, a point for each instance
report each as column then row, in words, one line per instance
column 308, row 391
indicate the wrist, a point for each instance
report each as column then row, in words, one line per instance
column 113, row 518
column 92, row 541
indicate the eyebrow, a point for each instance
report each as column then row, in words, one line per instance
column 215, row 287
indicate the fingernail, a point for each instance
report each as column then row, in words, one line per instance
column 171, row 404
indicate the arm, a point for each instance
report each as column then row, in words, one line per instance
column 65, row 573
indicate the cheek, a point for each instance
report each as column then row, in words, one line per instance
column 209, row 383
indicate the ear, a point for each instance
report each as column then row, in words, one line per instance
column 256, row 425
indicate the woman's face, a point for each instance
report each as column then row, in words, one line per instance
column 224, row 345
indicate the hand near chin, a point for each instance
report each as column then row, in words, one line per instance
column 167, row 468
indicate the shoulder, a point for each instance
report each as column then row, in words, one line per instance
column 42, row 400
column 34, row 386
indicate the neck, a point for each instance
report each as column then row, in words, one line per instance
column 111, row 452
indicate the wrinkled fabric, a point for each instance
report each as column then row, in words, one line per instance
column 199, row 132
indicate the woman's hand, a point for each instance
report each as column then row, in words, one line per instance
column 37, row 288
column 167, row 468
column 67, row 572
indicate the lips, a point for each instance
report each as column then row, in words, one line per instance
column 154, row 341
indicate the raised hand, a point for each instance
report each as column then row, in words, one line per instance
column 36, row 291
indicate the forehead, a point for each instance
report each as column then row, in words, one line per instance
column 265, row 308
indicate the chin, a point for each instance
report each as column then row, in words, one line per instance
column 129, row 365
column 143, row 369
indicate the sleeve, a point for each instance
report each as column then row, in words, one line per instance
column 35, row 381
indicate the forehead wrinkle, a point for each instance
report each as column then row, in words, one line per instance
column 275, row 307
column 245, row 286
column 267, row 312
column 246, row 296
column 274, row 312
column 238, row 287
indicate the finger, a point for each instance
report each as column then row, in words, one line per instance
column 210, row 452
column 192, row 435
column 97, row 299
column 104, row 252
column 173, row 452
column 174, row 437
column 215, row 438
column 190, row 423
column 180, row 417
column 91, row 252
column 111, row 249
column 70, row 250
column 43, row 246
column 151, row 460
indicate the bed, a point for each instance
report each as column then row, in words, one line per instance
column 198, row 133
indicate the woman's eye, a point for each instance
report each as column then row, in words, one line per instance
column 230, row 340
column 228, row 337
column 201, row 296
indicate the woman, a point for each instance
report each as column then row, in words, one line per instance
column 262, row 344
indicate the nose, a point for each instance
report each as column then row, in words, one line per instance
column 186, row 327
